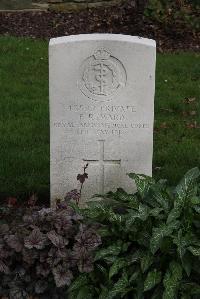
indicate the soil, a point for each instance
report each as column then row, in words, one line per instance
column 122, row 19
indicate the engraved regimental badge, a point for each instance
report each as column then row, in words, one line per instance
column 101, row 76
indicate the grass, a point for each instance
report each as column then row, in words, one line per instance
column 177, row 115
column 24, row 116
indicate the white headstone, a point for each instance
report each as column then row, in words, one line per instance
column 101, row 111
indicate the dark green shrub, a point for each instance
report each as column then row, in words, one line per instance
column 150, row 242
column 41, row 250
column 170, row 13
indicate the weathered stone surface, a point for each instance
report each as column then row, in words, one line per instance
column 78, row 5
column 55, row 1
column 10, row 5
column 67, row 7
column 55, row 5
column 95, row 3
column 101, row 111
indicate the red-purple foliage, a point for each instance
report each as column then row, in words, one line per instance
column 41, row 250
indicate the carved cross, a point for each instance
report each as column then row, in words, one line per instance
column 101, row 162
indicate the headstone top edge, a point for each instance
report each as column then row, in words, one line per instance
column 102, row 36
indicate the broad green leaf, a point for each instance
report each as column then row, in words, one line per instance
column 182, row 243
column 76, row 208
column 196, row 266
column 146, row 261
column 125, row 246
column 185, row 296
column 119, row 287
column 142, row 214
column 176, row 211
column 97, row 204
column 152, row 279
column 194, row 250
column 104, row 232
column 162, row 199
column 191, row 287
column 121, row 263
column 155, row 212
column 195, row 200
column 102, row 270
column 110, row 259
column 135, row 257
column 72, row 295
column 133, row 204
column 140, row 287
column 131, row 217
column 113, row 217
column 85, row 292
column 187, row 264
column 157, row 294
column 134, row 276
column 166, row 245
column 197, row 209
column 103, row 294
column 80, row 281
column 127, row 290
column 123, row 196
column 162, row 182
column 117, row 265
column 143, row 183
column 160, row 232
column 185, row 186
column 196, row 289
column 98, row 211
column 172, row 280
column 144, row 237
column 112, row 250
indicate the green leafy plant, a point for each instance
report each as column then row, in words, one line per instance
column 150, row 242
column 170, row 13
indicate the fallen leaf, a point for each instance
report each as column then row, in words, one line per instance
column 193, row 125
column 189, row 113
column 157, row 168
column 163, row 125
column 193, row 112
column 167, row 109
column 32, row 200
column 184, row 113
column 189, row 100
column 156, row 130
column 11, row 202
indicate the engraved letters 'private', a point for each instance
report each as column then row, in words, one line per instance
column 102, row 76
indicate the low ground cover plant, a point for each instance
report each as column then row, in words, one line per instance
column 144, row 245
column 150, row 242
column 41, row 250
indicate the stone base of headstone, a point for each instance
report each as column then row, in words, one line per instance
column 76, row 5
column 55, row 5
column 55, row 1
